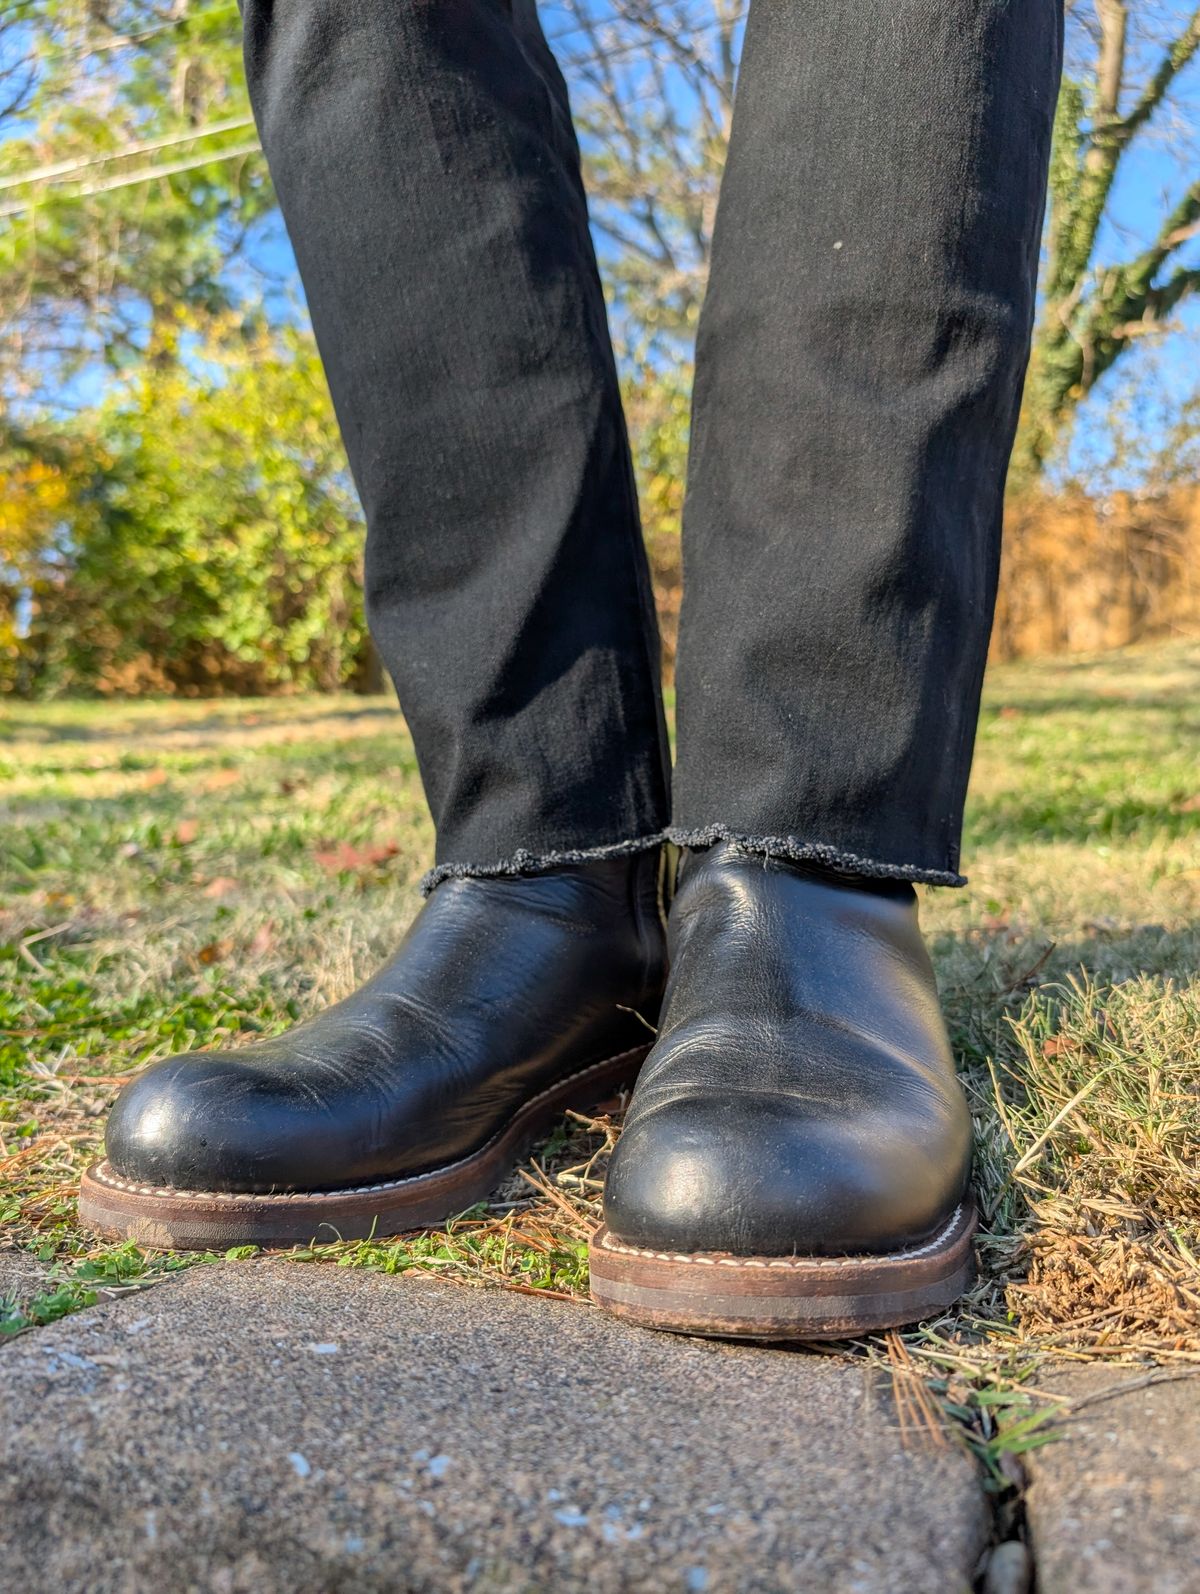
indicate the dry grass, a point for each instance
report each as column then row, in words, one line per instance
column 1103, row 1113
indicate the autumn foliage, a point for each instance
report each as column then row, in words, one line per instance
column 197, row 533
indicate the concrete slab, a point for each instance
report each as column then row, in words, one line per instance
column 1111, row 1507
column 21, row 1275
column 275, row 1426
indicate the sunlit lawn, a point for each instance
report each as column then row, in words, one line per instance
column 180, row 874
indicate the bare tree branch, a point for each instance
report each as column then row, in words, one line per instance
column 1174, row 60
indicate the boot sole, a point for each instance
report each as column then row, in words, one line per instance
column 783, row 1297
column 162, row 1218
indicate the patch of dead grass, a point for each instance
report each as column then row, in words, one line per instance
column 1101, row 1109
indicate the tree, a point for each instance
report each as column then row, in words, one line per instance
column 197, row 534
column 129, row 181
column 133, row 195
column 1095, row 307
column 652, row 85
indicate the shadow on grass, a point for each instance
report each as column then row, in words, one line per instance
column 254, row 717
column 1004, row 821
column 1092, row 703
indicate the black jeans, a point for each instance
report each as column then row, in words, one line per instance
column 859, row 370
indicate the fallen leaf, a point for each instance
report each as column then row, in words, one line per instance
column 262, row 940
column 215, row 951
column 186, row 832
column 345, row 859
column 1056, row 1045
column 154, row 777
column 220, row 886
column 221, row 779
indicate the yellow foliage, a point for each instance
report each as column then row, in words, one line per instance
column 33, row 497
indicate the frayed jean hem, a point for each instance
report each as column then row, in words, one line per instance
column 817, row 852
column 523, row 862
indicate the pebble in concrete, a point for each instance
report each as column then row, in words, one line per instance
column 280, row 1427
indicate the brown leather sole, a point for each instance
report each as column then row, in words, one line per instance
column 201, row 1220
column 783, row 1297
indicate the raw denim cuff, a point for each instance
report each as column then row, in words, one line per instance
column 524, row 862
column 797, row 851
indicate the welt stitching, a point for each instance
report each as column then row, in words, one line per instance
column 698, row 1258
column 283, row 1196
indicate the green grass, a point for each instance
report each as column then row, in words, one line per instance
column 182, row 874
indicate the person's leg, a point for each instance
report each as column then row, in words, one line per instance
column 426, row 165
column 428, row 172
column 859, row 369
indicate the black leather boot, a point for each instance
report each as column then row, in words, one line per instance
column 509, row 1000
column 795, row 1159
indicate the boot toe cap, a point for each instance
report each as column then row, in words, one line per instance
column 757, row 1175
column 196, row 1122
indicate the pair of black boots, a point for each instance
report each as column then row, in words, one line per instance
column 795, row 1158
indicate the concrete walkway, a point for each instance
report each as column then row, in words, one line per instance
column 267, row 1427
column 270, row 1426
column 1113, row 1506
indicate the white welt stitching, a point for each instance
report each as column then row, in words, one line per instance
column 102, row 1175
column 607, row 1243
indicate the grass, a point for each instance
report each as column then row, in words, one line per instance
column 186, row 874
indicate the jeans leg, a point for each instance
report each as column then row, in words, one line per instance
column 859, row 369
column 428, row 172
